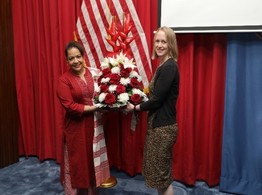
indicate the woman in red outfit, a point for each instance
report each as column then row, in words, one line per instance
column 75, row 91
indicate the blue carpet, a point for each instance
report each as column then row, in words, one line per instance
column 32, row 177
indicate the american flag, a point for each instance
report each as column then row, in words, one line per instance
column 95, row 18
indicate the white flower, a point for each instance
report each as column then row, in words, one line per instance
column 145, row 98
column 137, row 91
column 139, row 78
column 100, row 74
column 112, row 88
column 125, row 81
column 97, row 88
column 115, row 70
column 120, row 58
column 113, row 62
column 105, row 80
column 94, row 71
column 129, row 63
column 123, row 97
column 141, row 93
column 133, row 74
column 105, row 63
column 101, row 97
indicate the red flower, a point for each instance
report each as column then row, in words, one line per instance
column 99, row 80
column 135, row 98
column 134, row 83
column 110, row 99
column 120, row 89
column 104, row 87
column 114, row 79
column 124, row 72
column 106, row 72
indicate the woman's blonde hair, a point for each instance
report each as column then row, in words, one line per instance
column 171, row 42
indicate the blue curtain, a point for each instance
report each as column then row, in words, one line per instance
column 242, row 132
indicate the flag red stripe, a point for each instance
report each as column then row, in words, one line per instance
column 85, row 19
column 90, row 42
column 97, row 32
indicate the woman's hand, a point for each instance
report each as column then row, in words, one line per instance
column 90, row 108
column 129, row 107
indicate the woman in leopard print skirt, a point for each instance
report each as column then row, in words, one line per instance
column 162, row 125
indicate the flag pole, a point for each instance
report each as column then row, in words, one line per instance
column 109, row 183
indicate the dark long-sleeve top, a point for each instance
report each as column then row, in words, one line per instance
column 163, row 97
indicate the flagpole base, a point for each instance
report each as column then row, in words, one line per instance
column 109, row 183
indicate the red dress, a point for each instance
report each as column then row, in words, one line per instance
column 74, row 94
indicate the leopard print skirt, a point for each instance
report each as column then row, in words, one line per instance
column 158, row 152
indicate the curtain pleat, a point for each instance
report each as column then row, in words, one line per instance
column 197, row 154
column 242, row 135
column 41, row 30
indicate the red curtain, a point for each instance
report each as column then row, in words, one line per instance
column 202, row 63
column 41, row 30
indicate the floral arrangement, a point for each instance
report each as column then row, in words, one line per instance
column 118, row 81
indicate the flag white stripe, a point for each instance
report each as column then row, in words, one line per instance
column 100, row 23
column 106, row 10
column 85, row 43
column 134, row 49
column 100, row 159
column 139, row 29
column 97, row 146
column 92, row 32
column 99, row 130
column 119, row 10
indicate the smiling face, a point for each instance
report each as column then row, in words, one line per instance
column 75, row 60
column 161, row 46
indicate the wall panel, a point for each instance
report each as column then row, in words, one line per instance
column 8, row 102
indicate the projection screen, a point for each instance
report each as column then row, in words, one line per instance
column 211, row 15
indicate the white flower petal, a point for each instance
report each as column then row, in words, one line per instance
column 125, row 81
column 121, row 57
column 133, row 74
column 112, row 88
column 136, row 91
column 115, row 70
column 101, row 97
column 105, row 80
column 105, row 63
column 128, row 63
column 97, row 88
column 123, row 97
column 113, row 62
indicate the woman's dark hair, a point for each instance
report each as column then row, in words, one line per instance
column 74, row 44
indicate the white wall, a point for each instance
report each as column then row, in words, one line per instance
column 212, row 15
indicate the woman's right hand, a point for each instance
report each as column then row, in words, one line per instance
column 129, row 107
column 90, row 108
